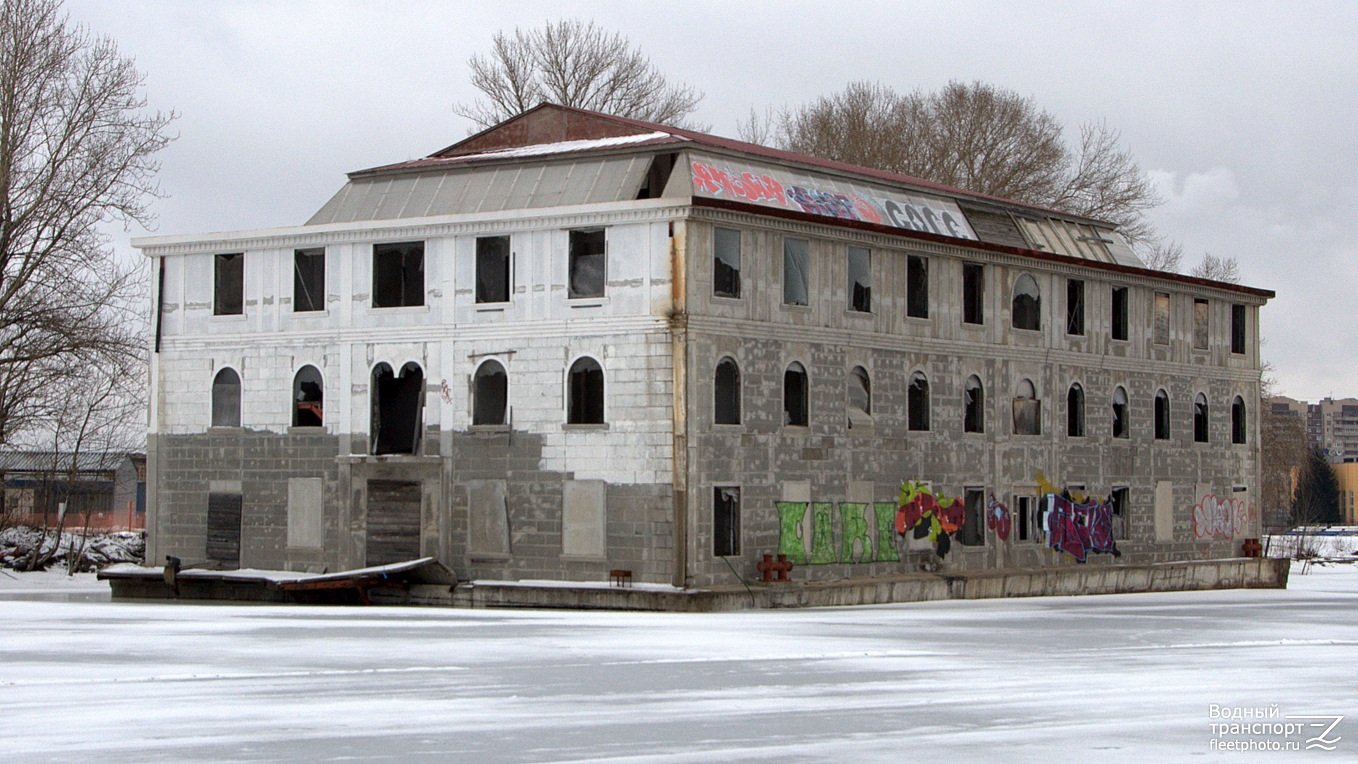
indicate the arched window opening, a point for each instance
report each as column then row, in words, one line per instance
column 586, row 402
column 973, row 415
column 1200, row 419
column 1027, row 410
column 795, row 397
column 726, row 392
column 490, row 394
column 860, row 397
column 397, row 403
column 308, row 398
column 226, row 399
column 1161, row 415
column 917, row 402
column 1121, row 426
column 1075, row 411
column 1027, row 305
column 1238, row 420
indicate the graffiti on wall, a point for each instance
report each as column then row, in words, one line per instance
column 997, row 518
column 806, row 532
column 1079, row 528
column 1222, row 518
column 922, row 514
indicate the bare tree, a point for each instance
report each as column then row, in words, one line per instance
column 573, row 63
column 1217, row 269
column 981, row 138
column 76, row 150
column 1162, row 255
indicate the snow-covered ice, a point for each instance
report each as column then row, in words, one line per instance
column 1125, row 678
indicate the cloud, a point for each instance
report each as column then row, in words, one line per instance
column 1200, row 192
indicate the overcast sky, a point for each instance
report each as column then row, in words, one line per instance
column 1245, row 114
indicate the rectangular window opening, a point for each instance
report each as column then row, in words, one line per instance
column 398, row 274
column 796, row 260
column 1118, row 498
column 1201, row 317
column 493, row 280
column 1075, row 307
column 726, row 263
column 228, row 287
column 1161, row 318
column 1238, row 329
column 860, row 279
column 1119, row 316
column 917, row 287
column 973, row 527
column 725, row 521
column 588, row 264
column 308, row 280
column 973, row 293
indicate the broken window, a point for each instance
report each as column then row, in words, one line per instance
column 657, row 176
column 1238, row 329
column 490, row 394
column 226, row 399
column 917, row 287
column 397, row 403
column 1075, row 307
column 1027, row 410
column 1161, row 318
column 588, row 263
column 308, row 280
column 726, row 392
column 860, row 279
column 1028, row 525
column 796, row 260
column 1121, row 426
column 795, row 394
column 1200, row 419
column 860, row 397
column 1200, row 323
column 1027, row 304
column 228, row 285
column 1075, row 411
column 1161, row 415
column 973, row 293
column 726, row 263
column 586, row 402
column 1238, row 420
column 725, row 521
column 223, row 529
column 492, row 269
column 398, row 274
column 1119, row 501
column 308, row 394
column 973, row 415
column 973, row 527
column 917, row 402
column 1119, row 317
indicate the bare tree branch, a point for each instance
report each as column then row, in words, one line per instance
column 1217, row 269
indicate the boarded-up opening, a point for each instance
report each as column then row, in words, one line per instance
column 393, row 521
column 223, row 529
column 583, row 518
column 306, row 512
column 396, row 409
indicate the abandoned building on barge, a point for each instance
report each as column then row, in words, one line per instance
column 575, row 343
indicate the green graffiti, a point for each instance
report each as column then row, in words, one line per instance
column 822, row 533
column 791, row 541
column 853, row 526
column 885, row 512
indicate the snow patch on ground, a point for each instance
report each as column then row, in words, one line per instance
column 100, row 549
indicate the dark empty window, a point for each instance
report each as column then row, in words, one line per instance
column 308, row 280
column 1027, row 304
column 398, row 274
column 226, row 399
column 1161, row 415
column 917, row 402
column 308, row 398
column 1119, row 317
column 492, row 269
column 1075, row 411
column 586, row 402
column 588, row 263
column 1075, row 307
column 397, row 403
column 1238, row 420
column 1023, row 518
column 973, row 293
column 1119, row 501
column 223, row 529
column 1161, row 318
column 228, row 286
column 860, row 395
column 796, row 261
column 1121, row 425
column 973, row 415
column 726, row 392
column 795, row 395
column 490, row 394
column 726, row 262
column 1027, row 410
column 1200, row 419
column 973, row 526
column 860, row 279
column 725, row 521
column 1200, row 323
column 917, row 287
column 1238, row 329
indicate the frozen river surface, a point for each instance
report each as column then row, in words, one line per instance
column 1113, row 678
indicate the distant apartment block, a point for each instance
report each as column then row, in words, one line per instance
column 1331, row 424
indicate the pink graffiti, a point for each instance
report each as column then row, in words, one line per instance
column 1078, row 529
column 998, row 518
column 1221, row 518
column 748, row 186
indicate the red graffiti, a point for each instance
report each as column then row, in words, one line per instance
column 748, row 186
column 998, row 519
